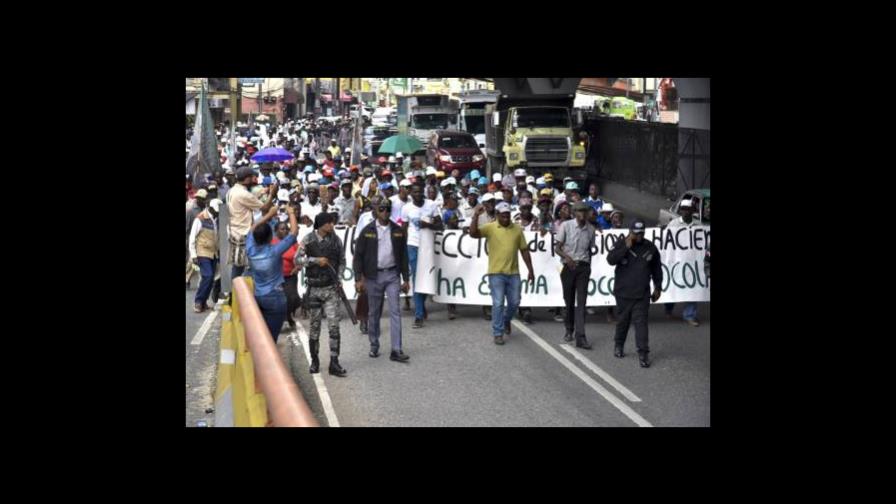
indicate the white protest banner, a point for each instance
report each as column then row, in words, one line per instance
column 452, row 266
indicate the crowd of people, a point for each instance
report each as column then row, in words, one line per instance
column 390, row 199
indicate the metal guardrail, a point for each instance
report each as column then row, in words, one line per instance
column 281, row 403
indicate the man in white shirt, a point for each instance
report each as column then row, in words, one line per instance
column 686, row 219
column 311, row 206
column 399, row 200
column 416, row 215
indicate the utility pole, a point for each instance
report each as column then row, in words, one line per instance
column 338, row 98
column 260, row 88
column 234, row 101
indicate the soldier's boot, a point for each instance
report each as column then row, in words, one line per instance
column 335, row 368
column 313, row 347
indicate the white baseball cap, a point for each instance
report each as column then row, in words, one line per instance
column 405, row 183
column 686, row 203
column 530, row 179
column 519, row 172
column 399, row 155
column 391, row 159
column 499, row 196
column 430, row 171
column 445, row 183
column 487, row 197
column 450, row 180
column 283, row 195
column 502, row 207
column 607, row 207
column 215, row 204
column 497, row 177
column 539, row 181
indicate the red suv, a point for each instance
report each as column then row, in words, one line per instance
column 449, row 150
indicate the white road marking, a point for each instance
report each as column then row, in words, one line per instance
column 597, row 387
column 318, row 379
column 203, row 330
column 600, row 372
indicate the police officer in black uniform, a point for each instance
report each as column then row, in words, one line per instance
column 637, row 261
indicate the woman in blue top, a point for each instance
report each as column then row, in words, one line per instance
column 267, row 268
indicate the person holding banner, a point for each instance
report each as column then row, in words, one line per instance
column 685, row 219
column 418, row 214
column 637, row 262
column 503, row 239
column 574, row 242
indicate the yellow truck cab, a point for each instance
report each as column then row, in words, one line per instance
column 541, row 137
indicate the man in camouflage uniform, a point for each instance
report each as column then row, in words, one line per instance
column 323, row 256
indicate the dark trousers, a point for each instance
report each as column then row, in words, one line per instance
column 575, row 294
column 273, row 310
column 207, row 273
column 628, row 311
column 293, row 300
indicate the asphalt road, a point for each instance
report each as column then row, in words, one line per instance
column 457, row 376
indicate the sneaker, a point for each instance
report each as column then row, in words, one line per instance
column 507, row 329
column 558, row 317
column 693, row 322
column 198, row 308
column 527, row 318
column 499, row 340
column 590, row 311
column 418, row 323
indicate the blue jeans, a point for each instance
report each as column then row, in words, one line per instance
column 207, row 272
column 273, row 309
column 501, row 286
column 689, row 313
column 419, row 299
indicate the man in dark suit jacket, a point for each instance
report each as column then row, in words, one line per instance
column 380, row 257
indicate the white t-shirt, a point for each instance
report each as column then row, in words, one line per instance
column 311, row 210
column 397, row 205
column 412, row 214
column 364, row 220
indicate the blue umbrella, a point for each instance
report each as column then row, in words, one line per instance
column 272, row 154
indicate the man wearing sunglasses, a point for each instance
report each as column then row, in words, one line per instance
column 380, row 257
